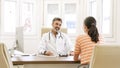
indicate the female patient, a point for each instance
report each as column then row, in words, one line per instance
column 85, row 43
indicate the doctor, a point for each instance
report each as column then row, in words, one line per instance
column 56, row 43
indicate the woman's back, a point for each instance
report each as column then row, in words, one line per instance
column 85, row 46
column 85, row 43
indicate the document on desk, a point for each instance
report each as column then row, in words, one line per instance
column 46, row 56
column 25, row 54
column 18, row 53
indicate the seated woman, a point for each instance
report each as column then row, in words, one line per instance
column 86, row 43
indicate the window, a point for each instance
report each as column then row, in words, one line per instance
column 104, row 16
column 93, row 8
column 10, row 16
column 70, row 17
column 28, row 18
column 65, row 9
column 51, row 10
column 18, row 13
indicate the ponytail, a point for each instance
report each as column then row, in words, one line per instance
column 93, row 33
column 90, row 23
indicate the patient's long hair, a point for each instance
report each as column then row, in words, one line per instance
column 90, row 23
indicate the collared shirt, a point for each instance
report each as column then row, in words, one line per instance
column 59, row 45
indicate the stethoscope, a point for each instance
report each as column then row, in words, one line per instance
column 58, row 37
column 61, row 36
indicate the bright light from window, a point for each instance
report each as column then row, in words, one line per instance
column 10, row 18
column 51, row 13
column 66, row 11
column 93, row 8
column 106, row 17
column 105, row 26
column 70, row 17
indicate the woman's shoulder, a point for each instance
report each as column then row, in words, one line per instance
column 82, row 36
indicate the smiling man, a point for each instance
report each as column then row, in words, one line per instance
column 55, row 42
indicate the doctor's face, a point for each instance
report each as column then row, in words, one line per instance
column 56, row 25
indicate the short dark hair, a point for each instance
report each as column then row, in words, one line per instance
column 57, row 19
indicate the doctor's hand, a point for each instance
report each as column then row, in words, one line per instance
column 49, row 53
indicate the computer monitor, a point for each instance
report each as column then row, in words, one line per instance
column 19, row 39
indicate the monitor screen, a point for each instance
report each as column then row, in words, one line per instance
column 19, row 39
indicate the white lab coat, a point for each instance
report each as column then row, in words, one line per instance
column 61, row 45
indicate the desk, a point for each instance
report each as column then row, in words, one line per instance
column 45, row 62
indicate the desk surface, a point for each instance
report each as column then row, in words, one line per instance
column 43, row 60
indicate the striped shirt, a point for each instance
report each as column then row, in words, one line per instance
column 84, row 47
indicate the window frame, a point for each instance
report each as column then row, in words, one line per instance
column 61, row 3
column 19, row 17
column 111, row 36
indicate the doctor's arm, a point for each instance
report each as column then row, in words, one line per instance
column 43, row 47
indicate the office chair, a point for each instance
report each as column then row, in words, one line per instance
column 45, row 30
column 5, row 60
column 106, row 56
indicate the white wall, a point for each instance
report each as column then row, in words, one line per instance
column 31, row 44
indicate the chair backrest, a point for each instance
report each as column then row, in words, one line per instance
column 5, row 60
column 106, row 56
column 45, row 30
